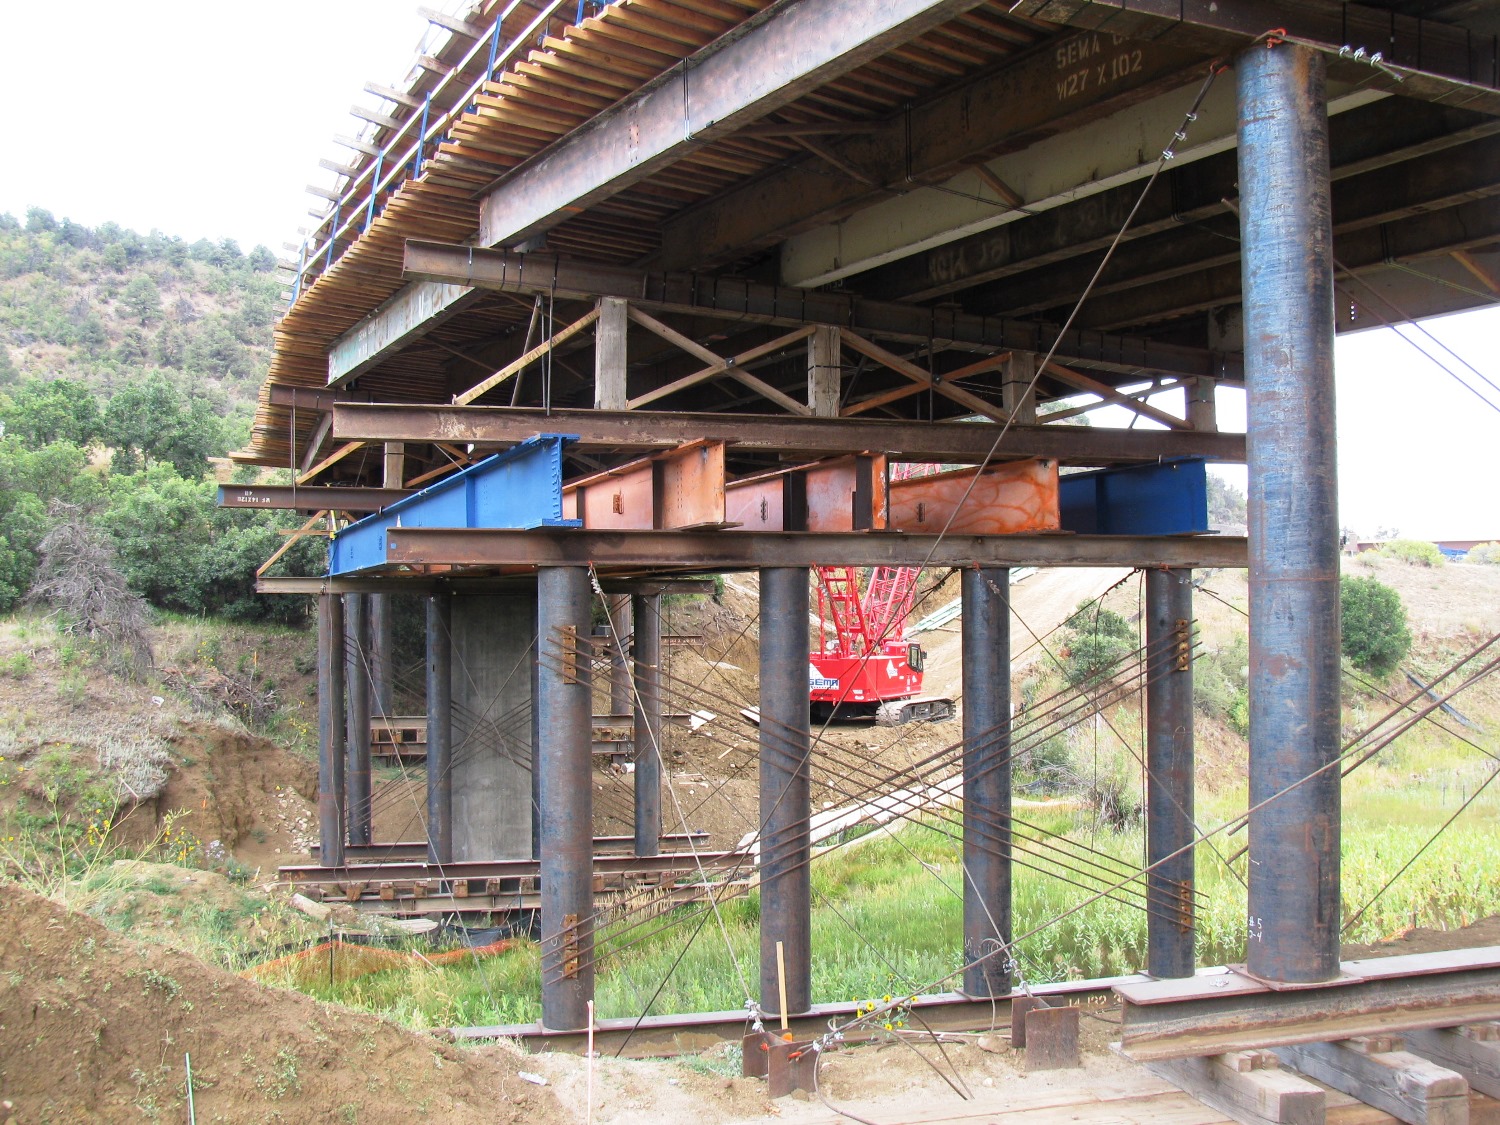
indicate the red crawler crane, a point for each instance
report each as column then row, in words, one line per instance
column 864, row 665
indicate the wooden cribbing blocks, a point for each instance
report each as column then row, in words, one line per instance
column 1248, row 1087
column 1400, row 1083
column 1473, row 1051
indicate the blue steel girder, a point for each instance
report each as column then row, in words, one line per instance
column 1166, row 498
column 519, row 488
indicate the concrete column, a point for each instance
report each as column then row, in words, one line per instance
column 647, row 707
column 1202, row 410
column 986, row 728
column 1287, row 267
column 331, row 730
column 440, row 728
column 785, row 789
column 1169, row 772
column 824, row 371
column 565, row 753
column 610, row 332
column 491, row 766
column 357, row 714
column 1018, row 396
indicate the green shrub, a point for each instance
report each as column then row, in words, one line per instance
column 1413, row 552
column 1096, row 639
column 1220, row 690
column 1486, row 553
column 1375, row 633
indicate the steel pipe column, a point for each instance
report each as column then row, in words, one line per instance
column 564, row 713
column 785, row 789
column 1170, row 925
column 621, row 617
column 331, row 730
column 987, row 811
column 357, row 724
column 646, row 611
column 381, row 641
column 1287, row 269
column 440, row 728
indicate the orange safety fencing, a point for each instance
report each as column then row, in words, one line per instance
column 337, row 961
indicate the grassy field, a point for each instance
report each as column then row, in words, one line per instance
column 886, row 916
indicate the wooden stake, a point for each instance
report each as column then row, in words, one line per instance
column 781, row 982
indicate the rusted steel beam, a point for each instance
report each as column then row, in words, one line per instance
column 664, row 1036
column 681, row 488
column 948, row 442
column 1430, row 59
column 415, row 585
column 696, row 550
column 738, row 299
column 667, row 862
column 308, row 498
column 1216, row 1012
column 1001, row 500
column 841, row 494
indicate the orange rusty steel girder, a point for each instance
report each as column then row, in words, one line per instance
column 676, row 490
column 686, row 489
column 1008, row 499
column 838, row 494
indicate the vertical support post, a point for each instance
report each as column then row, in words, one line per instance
column 647, row 613
column 620, row 616
column 1202, row 408
column 1169, row 773
column 565, row 724
column 987, row 795
column 824, row 371
column 331, row 730
column 1287, row 268
column 440, row 728
column 1018, row 396
column 785, row 788
column 610, row 332
column 381, row 639
column 357, row 728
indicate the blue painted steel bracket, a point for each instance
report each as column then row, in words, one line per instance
column 1166, row 498
column 519, row 488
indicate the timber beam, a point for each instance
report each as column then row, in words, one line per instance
column 1217, row 1012
column 746, row 550
column 739, row 299
column 947, row 442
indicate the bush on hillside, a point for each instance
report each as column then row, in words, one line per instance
column 1487, row 554
column 1097, row 640
column 1375, row 633
column 1413, row 552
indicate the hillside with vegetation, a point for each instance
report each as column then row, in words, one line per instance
column 128, row 363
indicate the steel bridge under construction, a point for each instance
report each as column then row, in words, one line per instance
column 604, row 302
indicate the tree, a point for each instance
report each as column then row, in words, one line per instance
column 1096, row 639
column 1375, row 633
column 31, row 480
column 39, row 221
column 262, row 260
column 8, row 373
column 43, row 411
column 141, row 299
column 152, row 420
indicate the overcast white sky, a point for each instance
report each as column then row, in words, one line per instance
column 206, row 120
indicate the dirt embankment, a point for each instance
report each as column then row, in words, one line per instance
column 95, row 1027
